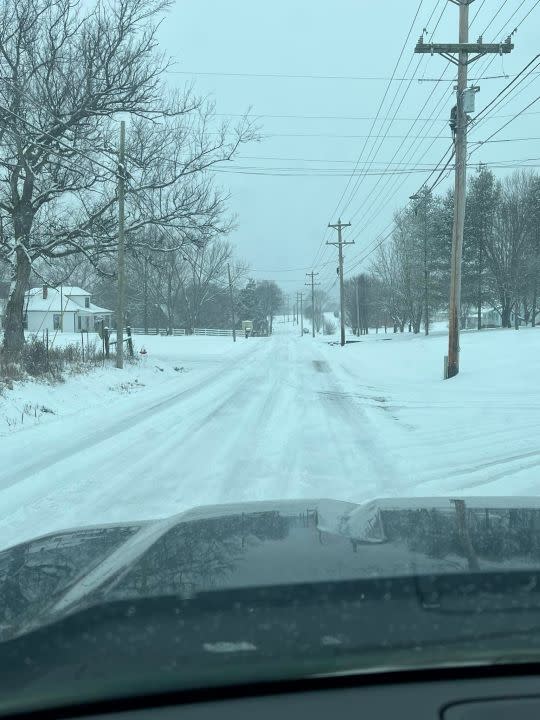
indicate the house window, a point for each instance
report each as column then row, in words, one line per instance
column 56, row 322
column 79, row 321
column 86, row 302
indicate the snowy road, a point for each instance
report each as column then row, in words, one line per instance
column 282, row 417
column 275, row 423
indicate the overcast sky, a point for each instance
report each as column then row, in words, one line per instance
column 304, row 162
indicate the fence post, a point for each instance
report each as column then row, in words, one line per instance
column 82, row 344
column 129, row 341
column 47, row 346
column 106, row 341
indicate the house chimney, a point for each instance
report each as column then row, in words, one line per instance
column 44, row 292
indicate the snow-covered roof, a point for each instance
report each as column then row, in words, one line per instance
column 94, row 310
column 54, row 302
column 68, row 290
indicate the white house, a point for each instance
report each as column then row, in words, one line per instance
column 66, row 308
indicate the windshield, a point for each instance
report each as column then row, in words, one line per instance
column 269, row 301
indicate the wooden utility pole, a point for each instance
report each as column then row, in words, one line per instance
column 426, row 273
column 357, row 308
column 458, row 53
column 312, row 275
column 120, row 309
column 232, row 302
column 339, row 227
column 460, row 188
column 61, row 309
column 423, row 199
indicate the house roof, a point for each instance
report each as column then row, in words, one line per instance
column 54, row 302
column 66, row 290
column 94, row 310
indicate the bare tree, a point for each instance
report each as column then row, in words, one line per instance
column 506, row 248
column 204, row 270
column 66, row 73
column 270, row 298
column 392, row 299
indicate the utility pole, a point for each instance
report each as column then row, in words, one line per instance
column 458, row 53
column 61, row 309
column 312, row 275
column 120, row 310
column 301, row 296
column 232, row 302
column 339, row 227
column 423, row 199
column 357, row 308
column 426, row 274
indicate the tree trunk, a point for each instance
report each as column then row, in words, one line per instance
column 516, row 315
column 145, row 296
column 169, row 306
column 526, row 312
column 534, row 299
column 14, row 316
column 505, row 313
column 479, row 298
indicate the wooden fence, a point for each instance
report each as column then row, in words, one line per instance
column 156, row 331
column 212, row 331
column 220, row 332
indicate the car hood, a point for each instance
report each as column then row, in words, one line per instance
column 262, row 544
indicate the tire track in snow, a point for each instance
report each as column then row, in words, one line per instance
column 117, row 427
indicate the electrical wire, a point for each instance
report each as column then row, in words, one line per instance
column 518, row 114
column 495, row 101
column 374, row 150
column 381, row 103
column 442, row 172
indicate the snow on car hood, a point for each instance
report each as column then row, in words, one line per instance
column 262, row 544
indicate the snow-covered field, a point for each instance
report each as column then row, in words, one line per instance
column 202, row 420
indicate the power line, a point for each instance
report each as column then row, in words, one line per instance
column 318, row 172
column 489, row 139
column 289, row 76
column 441, row 174
column 501, row 31
column 530, row 11
column 381, row 103
column 484, row 31
column 397, row 151
column 379, row 110
column 387, row 185
column 495, row 101
column 352, row 118
column 478, row 10
column 283, row 270
column 518, row 114
column 335, row 211
column 345, row 160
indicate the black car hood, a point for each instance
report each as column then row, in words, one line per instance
column 262, row 544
